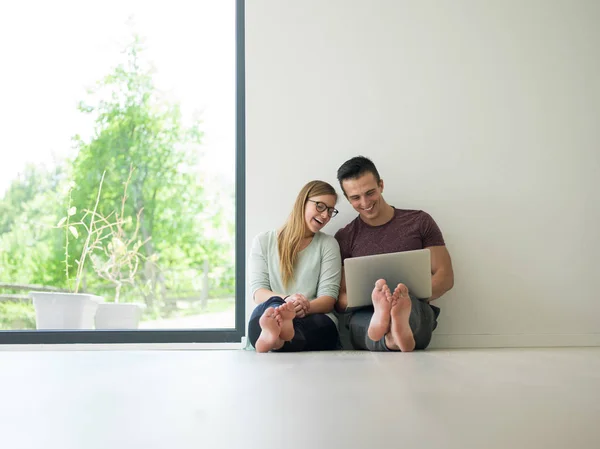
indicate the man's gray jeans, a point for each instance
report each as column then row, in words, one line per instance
column 423, row 321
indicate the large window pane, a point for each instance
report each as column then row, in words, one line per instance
column 118, row 164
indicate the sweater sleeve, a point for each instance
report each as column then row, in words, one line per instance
column 331, row 269
column 259, row 267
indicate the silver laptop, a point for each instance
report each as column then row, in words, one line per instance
column 412, row 268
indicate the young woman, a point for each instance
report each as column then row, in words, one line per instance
column 295, row 277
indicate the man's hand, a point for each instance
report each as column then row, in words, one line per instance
column 301, row 304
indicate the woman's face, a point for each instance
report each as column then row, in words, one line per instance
column 316, row 220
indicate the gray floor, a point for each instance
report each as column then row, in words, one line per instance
column 235, row 399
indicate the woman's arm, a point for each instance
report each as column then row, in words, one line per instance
column 322, row 304
column 328, row 287
column 342, row 301
column 260, row 283
column 262, row 294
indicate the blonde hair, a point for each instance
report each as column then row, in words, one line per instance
column 291, row 234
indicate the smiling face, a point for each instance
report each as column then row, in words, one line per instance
column 364, row 194
column 315, row 220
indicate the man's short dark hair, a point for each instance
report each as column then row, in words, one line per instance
column 355, row 168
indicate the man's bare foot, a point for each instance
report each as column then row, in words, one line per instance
column 382, row 303
column 401, row 331
column 269, row 337
column 287, row 313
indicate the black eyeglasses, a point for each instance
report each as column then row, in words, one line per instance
column 322, row 207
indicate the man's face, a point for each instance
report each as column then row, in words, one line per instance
column 364, row 195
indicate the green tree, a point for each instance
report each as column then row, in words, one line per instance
column 34, row 181
column 136, row 127
column 30, row 248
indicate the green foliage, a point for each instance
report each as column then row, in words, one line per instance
column 30, row 249
column 16, row 315
column 134, row 127
column 21, row 193
column 116, row 255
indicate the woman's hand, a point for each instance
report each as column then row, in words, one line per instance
column 301, row 304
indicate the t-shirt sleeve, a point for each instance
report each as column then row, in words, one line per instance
column 331, row 270
column 430, row 232
column 343, row 245
column 259, row 267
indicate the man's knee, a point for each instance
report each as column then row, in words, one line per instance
column 422, row 322
column 422, row 342
column 358, row 326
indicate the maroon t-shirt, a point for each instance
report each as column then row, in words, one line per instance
column 409, row 230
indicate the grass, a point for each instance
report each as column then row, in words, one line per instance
column 17, row 316
column 185, row 308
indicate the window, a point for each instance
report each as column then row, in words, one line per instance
column 122, row 175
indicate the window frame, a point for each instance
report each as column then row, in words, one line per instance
column 181, row 335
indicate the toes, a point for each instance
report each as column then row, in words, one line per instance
column 402, row 290
column 380, row 284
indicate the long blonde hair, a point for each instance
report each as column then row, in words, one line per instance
column 291, row 234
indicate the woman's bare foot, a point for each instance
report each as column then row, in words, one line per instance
column 401, row 331
column 382, row 303
column 269, row 337
column 287, row 313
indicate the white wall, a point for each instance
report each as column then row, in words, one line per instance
column 485, row 114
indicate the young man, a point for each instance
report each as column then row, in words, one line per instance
column 398, row 321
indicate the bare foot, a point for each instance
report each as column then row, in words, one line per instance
column 382, row 302
column 287, row 313
column 401, row 331
column 269, row 337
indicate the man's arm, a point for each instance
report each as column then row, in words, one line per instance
column 342, row 301
column 442, row 275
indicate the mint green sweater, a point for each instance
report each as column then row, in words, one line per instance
column 318, row 270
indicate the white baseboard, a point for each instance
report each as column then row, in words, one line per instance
column 456, row 341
